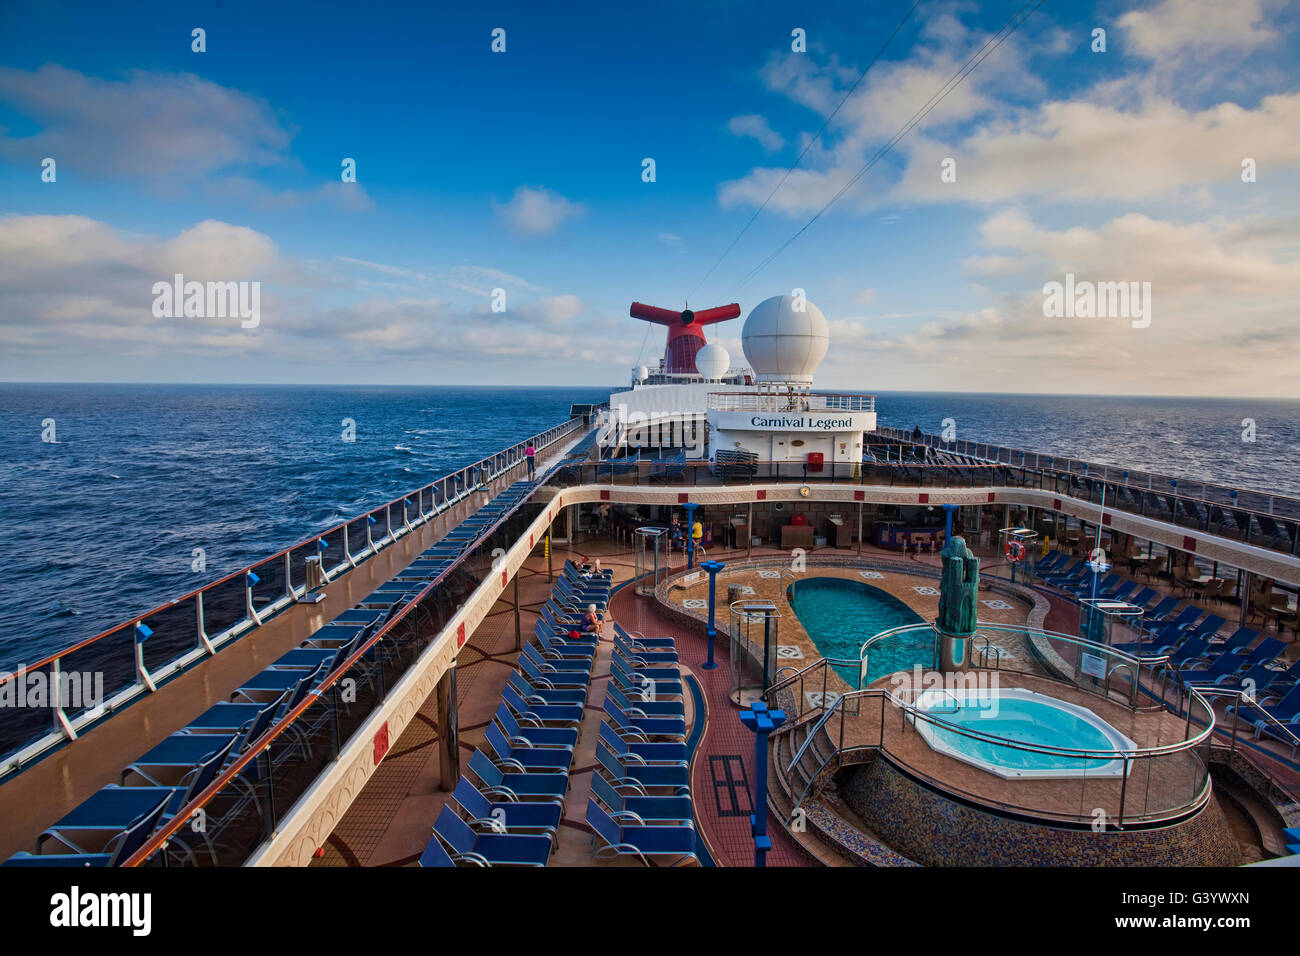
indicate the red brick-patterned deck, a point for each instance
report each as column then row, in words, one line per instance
column 725, row 740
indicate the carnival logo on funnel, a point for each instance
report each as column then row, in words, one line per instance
column 210, row 300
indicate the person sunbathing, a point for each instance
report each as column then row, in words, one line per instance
column 592, row 621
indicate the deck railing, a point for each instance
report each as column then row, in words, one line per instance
column 134, row 657
column 1112, row 786
column 238, row 816
column 1259, row 502
column 790, row 402
column 1243, row 517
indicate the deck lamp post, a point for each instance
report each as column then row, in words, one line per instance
column 949, row 511
column 712, row 568
column 762, row 722
column 690, row 507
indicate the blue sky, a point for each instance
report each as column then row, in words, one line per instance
column 522, row 171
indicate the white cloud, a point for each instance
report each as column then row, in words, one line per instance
column 1082, row 151
column 76, row 293
column 173, row 132
column 536, row 211
column 174, row 126
column 1222, row 297
column 758, row 128
column 1185, row 28
column 1123, row 139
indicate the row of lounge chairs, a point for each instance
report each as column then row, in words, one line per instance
column 115, row 821
column 507, row 810
column 1243, row 663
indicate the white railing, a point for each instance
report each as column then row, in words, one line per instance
column 790, row 402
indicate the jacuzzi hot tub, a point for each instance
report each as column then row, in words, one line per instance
column 1018, row 715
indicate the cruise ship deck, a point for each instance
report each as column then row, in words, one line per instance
column 363, row 781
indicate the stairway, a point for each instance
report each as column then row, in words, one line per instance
column 784, row 790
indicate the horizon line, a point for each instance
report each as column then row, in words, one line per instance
column 612, row 388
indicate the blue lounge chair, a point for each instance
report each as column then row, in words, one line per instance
column 673, row 728
column 1284, row 710
column 1085, row 588
column 182, row 751
column 117, row 849
column 515, row 816
column 555, row 681
column 629, row 835
column 1239, row 639
column 1224, row 665
column 675, row 777
column 524, row 756
column 1064, row 570
column 1254, row 681
column 631, row 747
column 645, row 708
column 1143, row 597
column 92, row 825
column 540, row 712
column 489, row 849
column 561, row 646
column 1207, row 628
column 1163, row 608
column 560, row 665
column 645, row 683
column 1179, row 621
column 1121, row 592
column 639, row 656
column 631, row 797
column 517, row 786
column 639, row 642
column 533, row 732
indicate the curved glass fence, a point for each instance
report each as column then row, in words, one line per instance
column 1045, row 725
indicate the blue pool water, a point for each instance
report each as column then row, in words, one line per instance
column 1023, row 717
column 840, row 615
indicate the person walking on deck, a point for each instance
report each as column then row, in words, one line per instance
column 531, row 454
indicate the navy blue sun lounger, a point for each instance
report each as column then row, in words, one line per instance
column 629, row 836
column 489, row 849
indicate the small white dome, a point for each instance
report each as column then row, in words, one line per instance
column 784, row 343
column 712, row 361
column 642, row 373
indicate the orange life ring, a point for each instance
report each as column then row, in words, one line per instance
column 1014, row 551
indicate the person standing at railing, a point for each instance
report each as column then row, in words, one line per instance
column 530, row 453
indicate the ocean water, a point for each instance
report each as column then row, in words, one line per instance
column 1198, row 438
column 103, row 524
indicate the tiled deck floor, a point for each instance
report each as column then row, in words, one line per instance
column 391, row 820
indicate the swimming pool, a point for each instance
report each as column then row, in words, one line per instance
column 841, row 615
column 1024, row 716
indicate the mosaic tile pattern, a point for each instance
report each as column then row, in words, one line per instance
column 935, row 831
column 860, row 848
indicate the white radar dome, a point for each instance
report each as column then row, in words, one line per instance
column 642, row 373
column 712, row 361
column 785, row 339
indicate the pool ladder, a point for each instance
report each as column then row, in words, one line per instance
column 954, row 708
column 985, row 649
